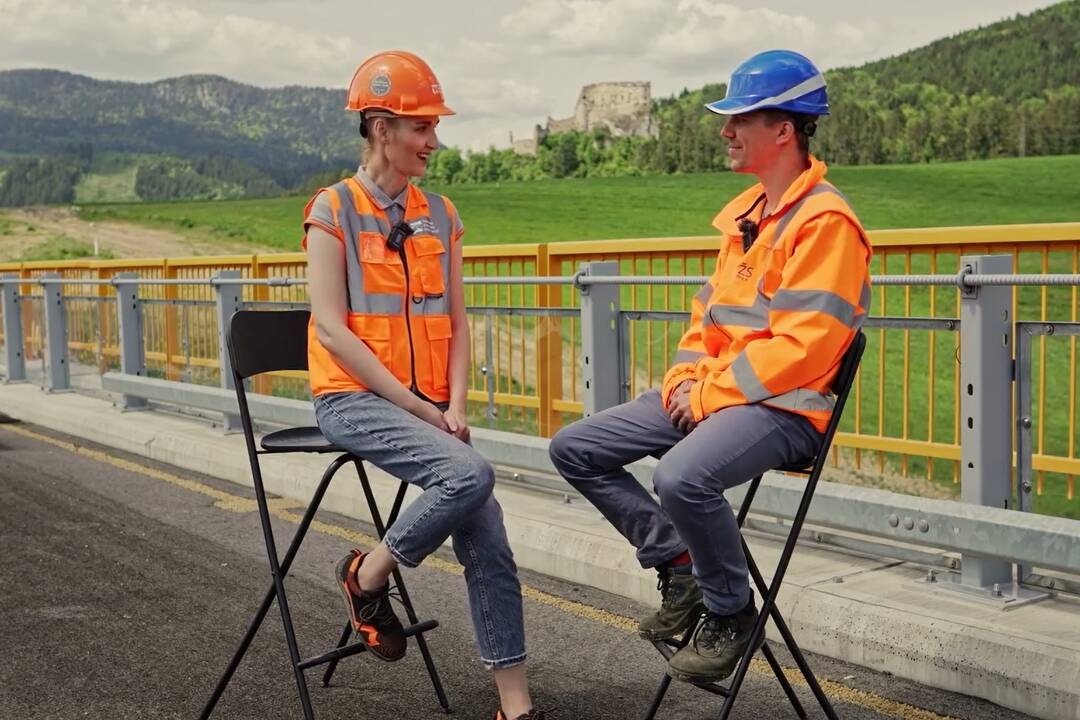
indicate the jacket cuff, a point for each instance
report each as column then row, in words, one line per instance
column 674, row 378
column 696, row 406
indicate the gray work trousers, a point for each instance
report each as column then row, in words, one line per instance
column 727, row 448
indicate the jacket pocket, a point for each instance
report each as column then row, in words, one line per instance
column 439, row 332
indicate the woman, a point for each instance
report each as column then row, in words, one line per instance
column 388, row 354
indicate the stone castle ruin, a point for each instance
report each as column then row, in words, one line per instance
column 624, row 108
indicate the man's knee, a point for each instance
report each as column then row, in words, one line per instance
column 565, row 448
column 674, row 483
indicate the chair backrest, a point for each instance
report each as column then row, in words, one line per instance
column 268, row 340
column 845, row 378
column 849, row 365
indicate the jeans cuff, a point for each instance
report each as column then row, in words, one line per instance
column 656, row 558
column 504, row 663
column 401, row 559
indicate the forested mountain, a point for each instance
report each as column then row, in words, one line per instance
column 286, row 132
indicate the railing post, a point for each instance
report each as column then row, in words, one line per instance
column 13, row 331
column 986, row 328
column 130, row 318
column 601, row 365
column 549, row 360
column 488, row 369
column 58, row 373
column 228, row 297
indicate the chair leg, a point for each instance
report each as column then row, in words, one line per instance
column 667, row 649
column 789, row 638
column 658, row 697
column 346, row 633
column 271, row 592
column 782, row 679
column 406, row 602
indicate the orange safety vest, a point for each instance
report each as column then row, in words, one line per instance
column 772, row 323
column 398, row 302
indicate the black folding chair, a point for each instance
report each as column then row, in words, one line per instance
column 267, row 341
column 811, row 467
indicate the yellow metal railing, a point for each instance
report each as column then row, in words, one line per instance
column 904, row 414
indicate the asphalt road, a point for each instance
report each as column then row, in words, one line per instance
column 125, row 584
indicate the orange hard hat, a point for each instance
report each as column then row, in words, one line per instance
column 399, row 82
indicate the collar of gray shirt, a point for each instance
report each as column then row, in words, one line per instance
column 384, row 201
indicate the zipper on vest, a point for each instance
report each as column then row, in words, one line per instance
column 408, row 321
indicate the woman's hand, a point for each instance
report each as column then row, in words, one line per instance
column 430, row 414
column 456, row 423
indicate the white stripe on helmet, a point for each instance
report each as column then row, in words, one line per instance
column 804, row 88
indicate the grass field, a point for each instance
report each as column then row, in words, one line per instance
column 983, row 192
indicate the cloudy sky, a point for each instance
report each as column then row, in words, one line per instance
column 504, row 64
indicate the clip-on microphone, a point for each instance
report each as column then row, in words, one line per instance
column 396, row 239
column 749, row 230
column 747, row 227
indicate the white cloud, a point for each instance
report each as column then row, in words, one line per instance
column 151, row 39
column 678, row 35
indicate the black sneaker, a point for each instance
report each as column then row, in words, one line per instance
column 370, row 612
column 715, row 649
column 680, row 604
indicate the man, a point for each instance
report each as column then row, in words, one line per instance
column 750, row 387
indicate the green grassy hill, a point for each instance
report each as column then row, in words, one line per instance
column 986, row 192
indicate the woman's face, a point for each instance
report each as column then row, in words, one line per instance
column 409, row 142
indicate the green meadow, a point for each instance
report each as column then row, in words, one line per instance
column 984, row 192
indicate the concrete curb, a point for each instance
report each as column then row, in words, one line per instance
column 879, row 616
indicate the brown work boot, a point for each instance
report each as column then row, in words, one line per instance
column 370, row 612
column 716, row 648
column 680, row 604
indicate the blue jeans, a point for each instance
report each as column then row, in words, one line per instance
column 456, row 502
column 727, row 448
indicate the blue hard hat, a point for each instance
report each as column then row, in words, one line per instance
column 778, row 79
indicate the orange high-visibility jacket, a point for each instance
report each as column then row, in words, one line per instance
column 772, row 323
column 398, row 305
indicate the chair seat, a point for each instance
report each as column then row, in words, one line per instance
column 298, row 439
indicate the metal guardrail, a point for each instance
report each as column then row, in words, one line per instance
column 1048, row 542
column 985, row 326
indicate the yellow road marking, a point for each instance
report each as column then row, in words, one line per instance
column 282, row 508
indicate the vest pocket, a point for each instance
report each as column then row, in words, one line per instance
column 429, row 251
column 380, row 266
column 375, row 332
column 438, row 335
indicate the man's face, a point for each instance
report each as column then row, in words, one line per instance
column 752, row 143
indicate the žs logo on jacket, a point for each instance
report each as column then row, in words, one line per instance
column 744, row 271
